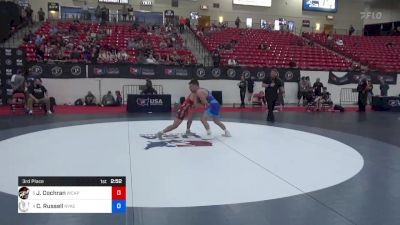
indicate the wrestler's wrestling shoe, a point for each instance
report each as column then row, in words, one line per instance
column 227, row 134
column 160, row 135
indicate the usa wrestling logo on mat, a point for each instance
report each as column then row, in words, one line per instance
column 176, row 140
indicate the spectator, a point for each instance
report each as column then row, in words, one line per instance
column 176, row 58
column 131, row 43
column 109, row 31
column 228, row 47
column 37, row 93
column 108, row 99
column 213, row 28
column 308, row 84
column 87, row 56
column 130, row 13
column 39, row 52
column 384, row 87
column 85, row 11
column 41, row 15
column 54, row 30
column 363, row 90
column 325, row 98
column 187, row 60
column 160, row 59
column 90, row 99
column 216, row 58
column 163, row 44
column 339, row 42
column 104, row 14
column 317, row 86
column 38, row 40
column 29, row 36
column 124, row 12
column 396, row 31
column 199, row 33
column 221, row 46
column 188, row 23
column 250, row 88
column 76, row 54
column 232, row 62
column 93, row 36
column 281, row 97
column 149, row 90
column 370, row 92
column 103, row 56
column 182, row 22
column 303, row 89
column 242, row 87
column 23, row 14
column 29, row 14
column 259, row 98
column 13, row 26
column 151, row 60
column 292, row 63
column 118, row 98
column 97, row 13
column 18, row 82
column 263, row 46
column 329, row 40
column 237, row 22
column 300, row 42
column 351, row 30
column 389, row 45
column 122, row 56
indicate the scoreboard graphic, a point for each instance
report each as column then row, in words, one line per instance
column 71, row 194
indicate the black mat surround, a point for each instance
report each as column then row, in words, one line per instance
column 371, row 197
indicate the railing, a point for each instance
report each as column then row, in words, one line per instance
column 90, row 16
column 201, row 49
column 137, row 89
column 296, row 30
column 113, row 17
column 348, row 96
column 342, row 31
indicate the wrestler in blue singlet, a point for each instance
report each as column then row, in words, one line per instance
column 213, row 106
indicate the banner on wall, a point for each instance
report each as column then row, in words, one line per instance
column 187, row 72
column 58, row 71
column 77, row 70
column 11, row 60
column 53, row 6
column 354, row 78
column 169, row 13
column 306, row 23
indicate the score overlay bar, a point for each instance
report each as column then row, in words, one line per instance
column 71, row 194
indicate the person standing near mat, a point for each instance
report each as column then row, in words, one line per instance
column 363, row 90
column 182, row 113
column 205, row 98
column 272, row 84
column 384, row 87
column 242, row 87
column 250, row 88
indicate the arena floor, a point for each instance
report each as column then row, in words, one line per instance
column 307, row 168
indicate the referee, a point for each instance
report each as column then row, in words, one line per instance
column 273, row 85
